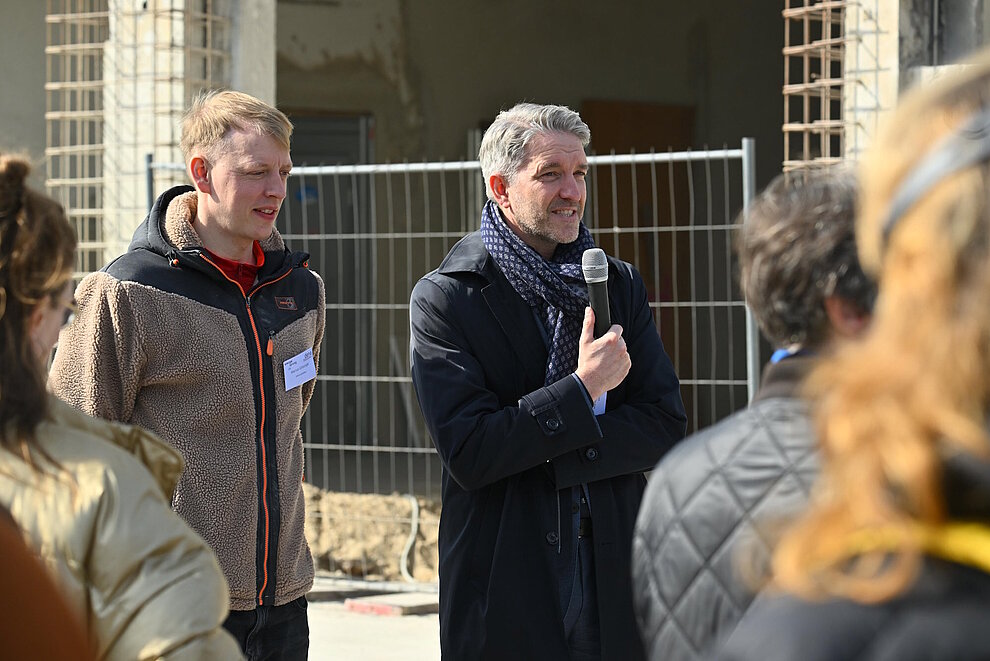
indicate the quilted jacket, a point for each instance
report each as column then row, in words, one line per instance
column 709, row 514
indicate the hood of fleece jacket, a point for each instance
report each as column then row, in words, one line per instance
column 168, row 226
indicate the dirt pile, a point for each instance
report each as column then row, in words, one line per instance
column 364, row 535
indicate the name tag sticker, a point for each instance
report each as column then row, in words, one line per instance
column 299, row 369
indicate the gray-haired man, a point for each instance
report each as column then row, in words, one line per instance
column 542, row 469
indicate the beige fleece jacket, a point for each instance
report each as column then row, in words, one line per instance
column 138, row 354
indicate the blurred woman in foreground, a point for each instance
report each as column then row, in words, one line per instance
column 892, row 560
column 91, row 497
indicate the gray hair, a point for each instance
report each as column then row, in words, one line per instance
column 796, row 244
column 503, row 149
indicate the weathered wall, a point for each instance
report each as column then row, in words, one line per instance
column 22, row 70
column 352, row 57
column 938, row 33
column 431, row 70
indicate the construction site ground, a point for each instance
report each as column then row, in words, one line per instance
column 353, row 622
column 375, row 594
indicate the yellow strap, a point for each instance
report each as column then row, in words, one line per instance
column 964, row 543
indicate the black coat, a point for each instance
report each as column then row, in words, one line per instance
column 508, row 444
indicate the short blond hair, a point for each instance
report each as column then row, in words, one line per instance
column 214, row 113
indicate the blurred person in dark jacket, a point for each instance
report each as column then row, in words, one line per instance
column 544, row 432
column 892, row 558
column 91, row 497
column 712, row 505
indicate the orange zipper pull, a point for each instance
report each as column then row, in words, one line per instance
column 271, row 346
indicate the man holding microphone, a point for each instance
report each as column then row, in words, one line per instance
column 544, row 431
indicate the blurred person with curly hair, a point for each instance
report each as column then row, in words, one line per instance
column 892, row 558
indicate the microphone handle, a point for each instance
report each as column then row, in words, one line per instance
column 598, row 297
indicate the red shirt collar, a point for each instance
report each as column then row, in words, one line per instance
column 243, row 273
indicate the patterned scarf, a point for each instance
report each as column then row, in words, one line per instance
column 556, row 288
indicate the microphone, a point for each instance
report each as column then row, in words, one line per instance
column 595, row 268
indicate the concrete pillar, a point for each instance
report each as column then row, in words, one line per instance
column 253, row 49
column 130, row 99
column 872, row 69
column 147, row 88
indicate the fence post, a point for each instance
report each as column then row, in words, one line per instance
column 753, row 363
column 150, row 179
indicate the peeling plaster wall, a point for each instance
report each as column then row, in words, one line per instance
column 352, row 56
column 431, row 70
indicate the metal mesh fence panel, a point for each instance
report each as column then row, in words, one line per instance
column 373, row 230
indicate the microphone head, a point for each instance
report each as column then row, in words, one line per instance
column 594, row 265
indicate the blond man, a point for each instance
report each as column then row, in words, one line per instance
column 207, row 331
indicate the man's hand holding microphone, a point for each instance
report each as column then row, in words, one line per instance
column 603, row 360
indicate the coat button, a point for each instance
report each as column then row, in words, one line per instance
column 553, row 424
column 552, row 538
column 591, row 454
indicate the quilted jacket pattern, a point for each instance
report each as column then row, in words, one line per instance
column 710, row 513
column 942, row 615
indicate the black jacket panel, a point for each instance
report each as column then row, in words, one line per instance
column 943, row 616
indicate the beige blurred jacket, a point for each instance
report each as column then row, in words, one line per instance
column 145, row 585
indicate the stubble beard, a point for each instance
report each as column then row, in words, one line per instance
column 538, row 223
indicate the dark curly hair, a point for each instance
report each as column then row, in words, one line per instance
column 796, row 245
column 37, row 253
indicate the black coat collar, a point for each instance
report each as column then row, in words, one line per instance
column 468, row 255
column 513, row 315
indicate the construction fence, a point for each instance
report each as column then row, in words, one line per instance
column 374, row 230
